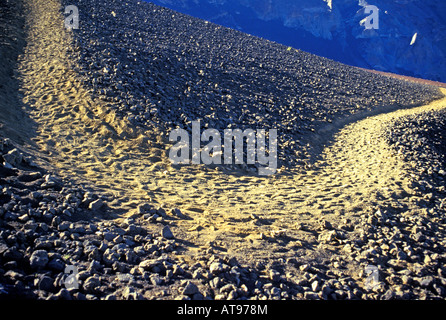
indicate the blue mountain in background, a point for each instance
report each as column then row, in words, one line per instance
column 411, row 39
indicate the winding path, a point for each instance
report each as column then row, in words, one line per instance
column 250, row 216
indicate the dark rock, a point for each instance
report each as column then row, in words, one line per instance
column 56, row 265
column 167, row 233
column 92, row 284
column 46, row 283
column 39, row 259
column 96, row 205
column 190, row 289
column 12, row 254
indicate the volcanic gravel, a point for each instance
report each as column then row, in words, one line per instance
column 48, row 225
column 421, row 141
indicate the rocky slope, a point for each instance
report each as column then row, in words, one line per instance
column 332, row 29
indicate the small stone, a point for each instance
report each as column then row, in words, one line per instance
column 63, row 226
column 46, row 284
column 167, row 233
column 190, row 289
column 227, row 288
column 198, row 296
column 118, row 266
column 36, row 195
column 217, row 267
column 24, row 218
column 149, row 264
column 315, row 286
column 133, row 230
column 118, row 239
column 12, row 254
column 110, row 257
column 406, row 279
column 304, row 267
column 111, row 296
column 178, row 213
column 440, row 290
column 131, row 257
column 92, row 284
column 63, row 294
column 177, row 270
column 56, row 265
column 308, row 295
column 109, row 236
column 275, row 291
column 427, row 282
column 401, row 255
column 39, row 259
column 162, row 212
column 96, row 205
column 143, row 208
column 13, row 157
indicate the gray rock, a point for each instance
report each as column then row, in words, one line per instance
column 217, row 267
column 131, row 257
column 109, row 236
column 39, row 259
column 167, row 233
column 215, row 282
column 177, row 212
column 153, row 265
column 64, row 225
column 109, row 257
column 190, row 289
column 63, row 294
column 91, row 284
column 46, row 283
column 161, row 212
column 401, row 255
column 315, row 286
column 228, row 288
column 118, row 266
column 274, row 291
column 177, row 270
column 12, row 254
column 143, row 208
column 13, row 157
column 308, row 295
column 117, row 239
column 94, row 266
column 43, row 244
column 133, row 230
column 427, row 282
column 56, row 265
column 96, row 205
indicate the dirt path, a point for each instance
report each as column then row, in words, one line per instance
column 247, row 216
